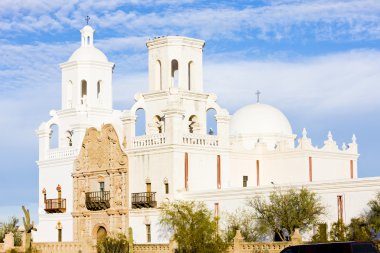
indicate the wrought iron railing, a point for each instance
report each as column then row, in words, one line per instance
column 55, row 205
column 144, row 199
column 99, row 200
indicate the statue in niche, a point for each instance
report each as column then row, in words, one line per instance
column 118, row 200
column 194, row 125
column 157, row 126
column 82, row 194
column 69, row 137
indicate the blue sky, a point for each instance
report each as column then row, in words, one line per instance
column 317, row 61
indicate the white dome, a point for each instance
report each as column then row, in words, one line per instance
column 259, row 119
column 90, row 53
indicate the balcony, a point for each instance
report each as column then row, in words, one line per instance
column 144, row 200
column 97, row 200
column 55, row 205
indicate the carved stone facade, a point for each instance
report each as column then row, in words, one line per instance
column 100, row 186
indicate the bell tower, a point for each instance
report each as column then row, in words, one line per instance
column 87, row 76
column 175, row 61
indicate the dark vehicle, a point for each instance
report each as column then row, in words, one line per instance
column 334, row 247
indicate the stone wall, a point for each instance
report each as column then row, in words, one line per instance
column 152, row 248
column 62, row 247
column 259, row 247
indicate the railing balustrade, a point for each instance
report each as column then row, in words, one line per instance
column 55, row 205
column 144, row 199
column 99, row 200
column 58, row 153
column 200, row 140
column 148, row 140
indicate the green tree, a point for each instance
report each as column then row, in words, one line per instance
column 11, row 226
column 359, row 230
column 113, row 244
column 192, row 226
column 245, row 221
column 321, row 235
column 339, row 232
column 373, row 215
column 287, row 210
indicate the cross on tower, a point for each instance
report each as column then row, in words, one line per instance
column 87, row 19
column 258, row 96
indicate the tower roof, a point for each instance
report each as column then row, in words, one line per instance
column 87, row 51
column 260, row 119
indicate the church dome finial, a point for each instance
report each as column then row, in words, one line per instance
column 87, row 51
column 87, row 36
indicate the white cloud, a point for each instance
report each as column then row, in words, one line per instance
column 344, row 82
column 323, row 20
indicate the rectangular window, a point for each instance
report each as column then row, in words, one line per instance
column 166, row 188
column 148, row 234
column 245, row 181
column 148, row 187
column 101, row 184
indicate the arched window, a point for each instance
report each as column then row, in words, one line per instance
column 158, row 75
column 69, row 137
column 54, row 136
column 69, row 94
column 83, row 92
column 99, row 90
column 194, row 125
column 140, row 122
column 88, row 40
column 174, row 73
column 158, row 123
column 211, row 122
column 190, row 75
column 84, row 88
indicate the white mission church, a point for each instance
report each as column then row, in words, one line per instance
column 103, row 178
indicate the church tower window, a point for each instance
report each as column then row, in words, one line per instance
column 174, row 73
column 99, row 89
column 190, row 74
column 194, row 125
column 158, row 74
column 211, row 122
column 69, row 94
column 54, row 136
column 140, row 128
column 83, row 90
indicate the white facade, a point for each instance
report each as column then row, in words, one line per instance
column 177, row 158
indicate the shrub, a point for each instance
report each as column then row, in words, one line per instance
column 113, row 244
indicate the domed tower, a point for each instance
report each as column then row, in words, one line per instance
column 261, row 123
column 86, row 103
column 87, row 76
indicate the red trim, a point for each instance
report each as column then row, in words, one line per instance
column 340, row 207
column 218, row 172
column 310, row 169
column 351, row 169
column 186, row 171
column 258, row 172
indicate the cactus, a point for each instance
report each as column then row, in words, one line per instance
column 130, row 239
column 28, row 228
